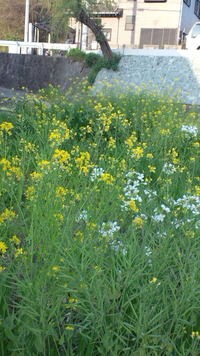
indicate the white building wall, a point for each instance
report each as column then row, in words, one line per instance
column 174, row 15
column 120, row 35
column 157, row 15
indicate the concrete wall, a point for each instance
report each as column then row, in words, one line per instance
column 36, row 72
column 175, row 73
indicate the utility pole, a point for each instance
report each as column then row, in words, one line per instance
column 26, row 23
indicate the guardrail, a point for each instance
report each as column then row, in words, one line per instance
column 21, row 47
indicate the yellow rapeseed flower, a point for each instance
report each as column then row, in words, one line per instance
column 2, row 268
column 30, row 193
column 28, row 147
column 7, row 214
column 112, row 142
column 59, row 134
column 83, row 162
column 131, row 140
column 165, row 132
column 19, row 251
column 15, row 239
column 16, row 171
column 79, row 235
column 197, row 189
column 174, row 155
column 154, row 280
column 55, row 268
column 138, row 221
column 55, row 136
column 138, row 152
column 3, row 247
column 107, row 178
column 98, row 268
column 149, row 155
column 36, row 175
column 73, row 300
column 44, row 164
column 6, row 164
column 6, row 127
column 69, row 327
column 61, row 192
column 61, row 156
column 196, row 334
column 59, row 217
column 133, row 206
column 196, row 144
column 152, row 169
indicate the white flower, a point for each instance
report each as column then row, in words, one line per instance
column 190, row 130
column 118, row 246
column 109, row 228
column 148, row 253
column 150, row 193
column 165, row 208
column 189, row 202
column 163, row 234
column 96, row 173
column 158, row 217
column 83, row 216
column 169, row 168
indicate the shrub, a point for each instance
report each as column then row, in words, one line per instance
column 92, row 58
column 104, row 63
column 95, row 61
column 77, row 54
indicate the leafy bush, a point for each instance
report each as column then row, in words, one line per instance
column 77, row 54
column 92, row 58
column 103, row 63
column 95, row 61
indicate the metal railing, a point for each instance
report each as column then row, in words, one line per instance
column 21, row 47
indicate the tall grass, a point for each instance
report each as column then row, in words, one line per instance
column 99, row 219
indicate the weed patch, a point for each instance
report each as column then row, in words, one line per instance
column 99, row 220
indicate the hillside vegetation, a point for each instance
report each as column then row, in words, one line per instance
column 12, row 19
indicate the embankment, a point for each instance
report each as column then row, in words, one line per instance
column 175, row 73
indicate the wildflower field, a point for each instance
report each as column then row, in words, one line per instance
column 100, row 222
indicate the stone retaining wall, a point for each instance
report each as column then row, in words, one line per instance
column 35, row 72
column 172, row 72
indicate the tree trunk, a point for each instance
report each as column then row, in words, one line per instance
column 84, row 18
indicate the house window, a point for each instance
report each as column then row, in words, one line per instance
column 108, row 33
column 197, row 8
column 158, row 37
column 130, row 23
column 187, row 2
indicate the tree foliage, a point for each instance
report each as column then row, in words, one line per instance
column 83, row 11
column 11, row 19
column 57, row 14
column 12, row 16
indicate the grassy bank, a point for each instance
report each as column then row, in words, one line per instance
column 99, row 219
